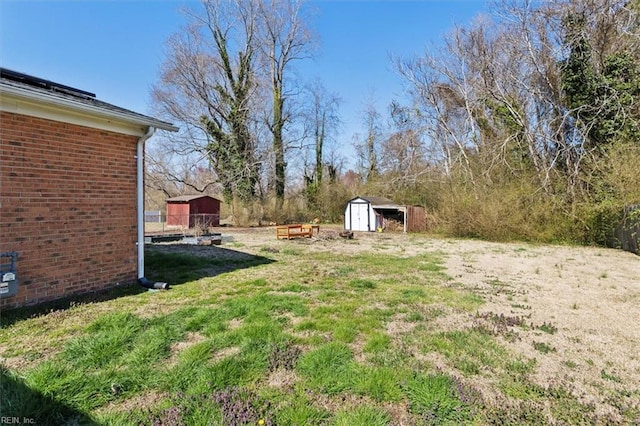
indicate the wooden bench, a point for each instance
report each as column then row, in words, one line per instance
column 295, row 231
column 312, row 227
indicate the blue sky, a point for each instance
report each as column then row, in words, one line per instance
column 114, row 48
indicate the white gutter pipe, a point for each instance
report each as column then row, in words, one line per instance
column 140, row 212
column 140, row 197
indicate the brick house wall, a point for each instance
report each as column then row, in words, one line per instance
column 68, row 207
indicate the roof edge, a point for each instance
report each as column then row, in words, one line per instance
column 82, row 107
column 186, row 198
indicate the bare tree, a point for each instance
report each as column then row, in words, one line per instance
column 488, row 99
column 403, row 159
column 443, row 97
column 368, row 145
column 284, row 38
column 209, row 83
column 321, row 122
column 176, row 174
column 535, row 99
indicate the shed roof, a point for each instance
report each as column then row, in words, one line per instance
column 185, row 198
column 30, row 88
column 379, row 201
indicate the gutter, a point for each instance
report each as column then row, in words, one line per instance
column 87, row 108
column 142, row 280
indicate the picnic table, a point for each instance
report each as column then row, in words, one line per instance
column 295, row 231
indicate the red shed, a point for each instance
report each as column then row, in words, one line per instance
column 190, row 211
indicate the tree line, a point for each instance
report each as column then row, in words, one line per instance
column 523, row 124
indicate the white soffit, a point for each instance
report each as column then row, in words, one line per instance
column 42, row 105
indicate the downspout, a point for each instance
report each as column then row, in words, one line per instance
column 140, row 211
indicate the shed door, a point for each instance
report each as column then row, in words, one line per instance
column 360, row 217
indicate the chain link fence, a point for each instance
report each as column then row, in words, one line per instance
column 158, row 222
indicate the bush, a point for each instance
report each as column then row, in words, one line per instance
column 599, row 222
column 508, row 211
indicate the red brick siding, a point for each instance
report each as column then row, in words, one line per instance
column 68, row 207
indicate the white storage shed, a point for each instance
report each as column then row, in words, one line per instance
column 373, row 213
column 363, row 213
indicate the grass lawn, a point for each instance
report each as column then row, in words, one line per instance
column 284, row 336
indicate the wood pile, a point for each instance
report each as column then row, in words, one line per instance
column 346, row 234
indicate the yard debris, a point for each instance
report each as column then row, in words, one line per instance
column 346, row 234
column 326, row 236
column 393, row 225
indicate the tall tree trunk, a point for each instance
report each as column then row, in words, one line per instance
column 320, row 135
column 278, row 147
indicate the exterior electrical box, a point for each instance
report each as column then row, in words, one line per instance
column 8, row 274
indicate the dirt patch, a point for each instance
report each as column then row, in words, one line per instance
column 399, row 325
column 225, row 353
column 590, row 295
column 143, row 401
column 177, row 348
column 282, row 379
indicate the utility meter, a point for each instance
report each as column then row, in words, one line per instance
column 8, row 277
